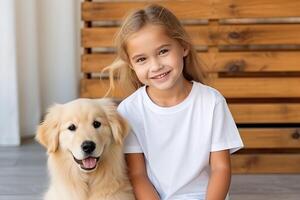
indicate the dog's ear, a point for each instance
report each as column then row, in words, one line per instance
column 48, row 131
column 119, row 126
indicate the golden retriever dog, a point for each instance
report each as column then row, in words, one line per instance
column 84, row 141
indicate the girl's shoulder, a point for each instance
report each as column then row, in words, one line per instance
column 208, row 93
column 131, row 101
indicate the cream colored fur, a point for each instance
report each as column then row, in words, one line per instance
column 108, row 181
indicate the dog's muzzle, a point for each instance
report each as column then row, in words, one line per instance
column 89, row 162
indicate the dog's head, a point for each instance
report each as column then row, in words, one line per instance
column 83, row 128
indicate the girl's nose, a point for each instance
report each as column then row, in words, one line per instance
column 156, row 65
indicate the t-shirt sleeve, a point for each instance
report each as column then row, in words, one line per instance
column 225, row 134
column 131, row 144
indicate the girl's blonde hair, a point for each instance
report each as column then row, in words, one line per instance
column 121, row 70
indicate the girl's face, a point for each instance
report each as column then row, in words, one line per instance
column 156, row 58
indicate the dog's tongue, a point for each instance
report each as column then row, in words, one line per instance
column 89, row 163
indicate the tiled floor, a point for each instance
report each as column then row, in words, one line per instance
column 23, row 176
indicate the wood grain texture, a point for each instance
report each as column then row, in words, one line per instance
column 265, row 113
column 270, row 138
column 257, row 87
column 209, row 9
column 254, row 61
column 266, row 163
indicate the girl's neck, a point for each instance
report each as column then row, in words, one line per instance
column 172, row 96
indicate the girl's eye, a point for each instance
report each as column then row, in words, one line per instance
column 96, row 124
column 72, row 127
column 140, row 60
column 163, row 51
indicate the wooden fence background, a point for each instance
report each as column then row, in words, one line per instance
column 251, row 51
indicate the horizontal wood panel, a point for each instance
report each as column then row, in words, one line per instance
column 96, row 88
column 256, row 87
column 265, row 163
column 254, row 34
column 259, row 61
column 212, row 35
column 93, row 11
column 270, row 137
column 229, row 87
column 219, row 62
column 95, row 62
column 207, row 9
column 265, row 113
column 98, row 37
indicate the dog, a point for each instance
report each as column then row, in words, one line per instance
column 84, row 141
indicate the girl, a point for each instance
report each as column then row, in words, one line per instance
column 182, row 130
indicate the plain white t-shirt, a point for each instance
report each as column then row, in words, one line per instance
column 176, row 141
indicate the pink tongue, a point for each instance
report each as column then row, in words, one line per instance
column 89, row 163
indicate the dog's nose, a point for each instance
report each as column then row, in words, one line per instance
column 88, row 146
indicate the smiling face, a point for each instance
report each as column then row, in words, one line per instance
column 83, row 130
column 156, row 58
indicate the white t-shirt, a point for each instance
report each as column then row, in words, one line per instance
column 176, row 141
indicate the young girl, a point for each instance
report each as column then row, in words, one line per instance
column 182, row 130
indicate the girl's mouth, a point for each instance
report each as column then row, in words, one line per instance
column 161, row 75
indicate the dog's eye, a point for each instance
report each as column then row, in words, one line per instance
column 72, row 127
column 96, row 124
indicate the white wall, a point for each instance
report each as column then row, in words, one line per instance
column 9, row 115
column 28, row 66
column 46, row 57
column 58, row 51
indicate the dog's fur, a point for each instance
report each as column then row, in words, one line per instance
column 105, row 180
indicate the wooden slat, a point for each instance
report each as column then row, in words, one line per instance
column 257, row 87
column 95, row 88
column 98, row 37
column 255, row 8
column 196, row 9
column 219, row 62
column 265, row 113
column 265, row 163
column 117, row 10
column 255, row 34
column 95, row 62
column 260, row 61
column 275, row 138
column 212, row 35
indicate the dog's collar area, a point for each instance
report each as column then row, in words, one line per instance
column 88, row 163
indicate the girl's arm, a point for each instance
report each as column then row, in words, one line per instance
column 142, row 187
column 219, row 181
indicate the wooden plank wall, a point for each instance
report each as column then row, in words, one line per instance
column 251, row 51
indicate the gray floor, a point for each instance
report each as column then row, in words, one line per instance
column 23, row 176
